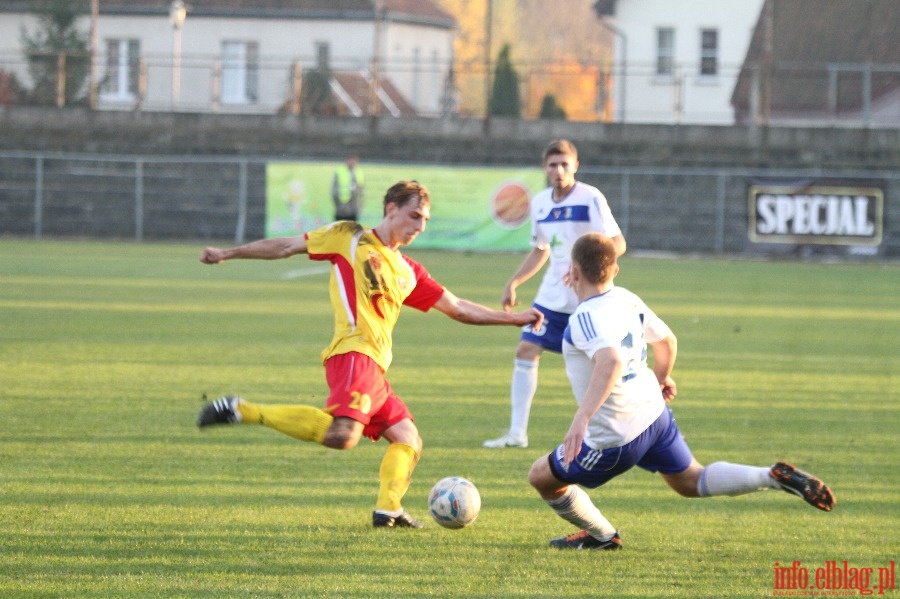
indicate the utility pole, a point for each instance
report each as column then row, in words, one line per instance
column 95, row 19
column 488, row 28
column 375, row 74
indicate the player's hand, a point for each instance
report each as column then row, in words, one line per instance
column 669, row 390
column 212, row 255
column 538, row 321
column 508, row 299
column 572, row 443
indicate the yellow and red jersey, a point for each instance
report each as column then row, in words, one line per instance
column 369, row 283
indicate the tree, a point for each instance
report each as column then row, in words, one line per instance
column 57, row 47
column 550, row 109
column 316, row 97
column 505, row 100
column 543, row 39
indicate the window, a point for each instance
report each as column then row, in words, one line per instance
column 240, row 72
column 122, row 66
column 709, row 52
column 665, row 52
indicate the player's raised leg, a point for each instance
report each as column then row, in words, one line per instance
column 724, row 478
column 305, row 423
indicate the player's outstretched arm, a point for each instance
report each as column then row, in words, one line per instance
column 264, row 249
column 462, row 310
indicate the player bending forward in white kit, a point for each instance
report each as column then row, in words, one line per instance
column 623, row 419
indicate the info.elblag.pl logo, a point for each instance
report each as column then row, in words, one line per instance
column 832, row 579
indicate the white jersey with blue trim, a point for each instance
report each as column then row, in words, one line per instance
column 555, row 226
column 621, row 320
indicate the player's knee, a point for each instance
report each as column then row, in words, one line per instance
column 342, row 434
column 340, row 441
column 540, row 475
column 416, row 443
column 685, row 482
column 530, row 352
column 405, row 432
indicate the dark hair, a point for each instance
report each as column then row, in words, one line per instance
column 595, row 256
column 560, row 146
column 403, row 192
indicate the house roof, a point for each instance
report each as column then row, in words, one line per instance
column 810, row 36
column 353, row 90
column 423, row 12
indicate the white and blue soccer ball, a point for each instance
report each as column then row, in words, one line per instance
column 454, row 502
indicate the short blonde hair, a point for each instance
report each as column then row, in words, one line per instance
column 595, row 256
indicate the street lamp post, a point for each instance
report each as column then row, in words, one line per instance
column 95, row 18
column 606, row 9
column 177, row 15
column 620, row 83
column 488, row 42
column 375, row 68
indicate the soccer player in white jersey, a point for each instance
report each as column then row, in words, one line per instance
column 623, row 419
column 559, row 215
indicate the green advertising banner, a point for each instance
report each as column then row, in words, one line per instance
column 472, row 208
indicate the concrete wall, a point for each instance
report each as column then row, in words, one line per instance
column 452, row 140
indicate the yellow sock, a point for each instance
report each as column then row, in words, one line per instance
column 396, row 471
column 301, row 422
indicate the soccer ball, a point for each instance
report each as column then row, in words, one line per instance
column 454, row 502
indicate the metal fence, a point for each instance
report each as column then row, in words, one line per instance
column 849, row 94
column 682, row 210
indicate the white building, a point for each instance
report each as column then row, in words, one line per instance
column 245, row 56
column 681, row 58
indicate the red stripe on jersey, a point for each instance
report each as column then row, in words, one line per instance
column 347, row 279
column 427, row 291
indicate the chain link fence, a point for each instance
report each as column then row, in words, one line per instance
column 180, row 198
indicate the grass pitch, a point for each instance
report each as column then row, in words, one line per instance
column 108, row 489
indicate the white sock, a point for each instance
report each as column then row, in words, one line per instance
column 521, row 393
column 723, row 478
column 577, row 508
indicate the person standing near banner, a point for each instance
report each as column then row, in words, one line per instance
column 348, row 189
column 560, row 214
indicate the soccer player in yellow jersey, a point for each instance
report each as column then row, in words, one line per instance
column 370, row 281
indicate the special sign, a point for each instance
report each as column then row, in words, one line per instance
column 817, row 213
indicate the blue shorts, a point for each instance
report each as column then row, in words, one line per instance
column 660, row 448
column 550, row 335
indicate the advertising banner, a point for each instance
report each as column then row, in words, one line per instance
column 826, row 212
column 472, row 208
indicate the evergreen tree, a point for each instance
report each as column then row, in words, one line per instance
column 316, row 97
column 550, row 109
column 505, row 99
column 57, row 36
